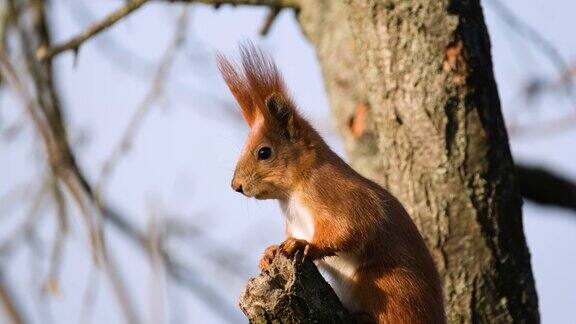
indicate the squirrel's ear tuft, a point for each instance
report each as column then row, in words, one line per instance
column 239, row 86
column 255, row 80
column 282, row 113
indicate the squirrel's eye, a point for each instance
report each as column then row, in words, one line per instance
column 264, row 153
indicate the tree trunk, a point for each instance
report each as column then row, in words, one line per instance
column 411, row 88
column 413, row 94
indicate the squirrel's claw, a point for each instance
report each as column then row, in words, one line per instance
column 291, row 245
column 289, row 248
column 268, row 257
column 306, row 250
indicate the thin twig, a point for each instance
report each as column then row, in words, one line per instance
column 157, row 268
column 5, row 20
column 190, row 279
column 45, row 52
column 270, row 18
column 109, row 47
column 89, row 297
column 60, row 156
column 11, row 242
column 295, row 4
column 18, row 192
column 51, row 284
column 530, row 33
column 44, row 110
column 62, row 159
column 178, row 272
column 156, row 90
column 10, row 303
column 35, row 257
column 543, row 128
column 118, row 55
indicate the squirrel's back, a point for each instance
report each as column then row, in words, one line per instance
column 386, row 269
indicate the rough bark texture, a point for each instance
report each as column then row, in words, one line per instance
column 412, row 91
column 292, row 292
column 413, row 94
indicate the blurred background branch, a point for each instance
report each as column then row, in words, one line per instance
column 11, row 304
column 546, row 187
column 65, row 190
column 156, row 90
column 46, row 51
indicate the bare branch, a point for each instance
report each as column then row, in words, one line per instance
column 539, row 85
column 550, row 51
column 111, row 49
column 270, row 18
column 12, row 306
column 43, row 106
column 90, row 293
column 156, row 90
column 177, row 271
column 11, row 242
column 47, row 52
column 51, row 284
column 542, row 128
column 45, row 111
column 157, row 268
column 268, row 3
column 546, row 188
column 5, row 19
column 190, row 279
column 530, row 33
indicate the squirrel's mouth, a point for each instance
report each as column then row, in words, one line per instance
column 249, row 193
column 259, row 191
column 260, row 195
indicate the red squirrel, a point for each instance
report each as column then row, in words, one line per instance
column 350, row 226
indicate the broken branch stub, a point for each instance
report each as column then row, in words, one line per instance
column 292, row 292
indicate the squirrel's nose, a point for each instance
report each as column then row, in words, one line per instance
column 237, row 187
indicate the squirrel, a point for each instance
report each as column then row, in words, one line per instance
column 351, row 227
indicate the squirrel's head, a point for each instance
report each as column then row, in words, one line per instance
column 280, row 148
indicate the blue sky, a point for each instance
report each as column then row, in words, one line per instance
column 182, row 159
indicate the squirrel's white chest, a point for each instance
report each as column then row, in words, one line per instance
column 340, row 268
column 299, row 221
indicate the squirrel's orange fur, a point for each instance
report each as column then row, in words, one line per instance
column 353, row 228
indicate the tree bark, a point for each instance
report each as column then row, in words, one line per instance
column 412, row 92
column 292, row 291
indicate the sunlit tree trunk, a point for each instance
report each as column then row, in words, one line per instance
column 413, row 94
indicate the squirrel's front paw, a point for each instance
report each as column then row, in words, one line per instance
column 267, row 257
column 291, row 245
